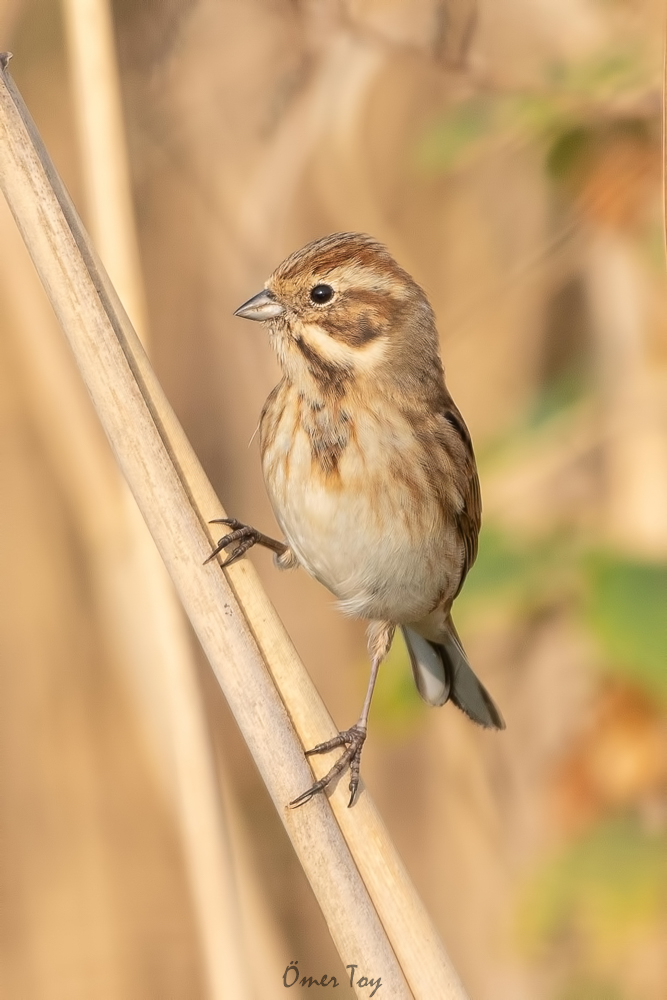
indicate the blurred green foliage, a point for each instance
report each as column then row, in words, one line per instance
column 572, row 148
column 608, row 885
column 448, row 140
column 587, row 989
column 602, row 890
column 519, row 576
column 562, row 114
column 626, row 609
column 621, row 602
column 559, row 394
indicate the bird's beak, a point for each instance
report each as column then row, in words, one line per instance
column 262, row 306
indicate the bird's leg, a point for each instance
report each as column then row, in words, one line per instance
column 243, row 537
column 380, row 635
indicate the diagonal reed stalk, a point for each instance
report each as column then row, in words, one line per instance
column 139, row 614
column 162, row 656
column 375, row 917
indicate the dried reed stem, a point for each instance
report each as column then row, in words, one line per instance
column 167, row 666
column 88, row 477
column 103, row 149
column 236, row 625
column 663, row 124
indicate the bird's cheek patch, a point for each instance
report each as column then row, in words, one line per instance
column 355, row 327
column 369, row 329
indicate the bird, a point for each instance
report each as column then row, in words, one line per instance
column 369, row 468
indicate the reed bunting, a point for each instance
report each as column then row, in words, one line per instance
column 369, row 466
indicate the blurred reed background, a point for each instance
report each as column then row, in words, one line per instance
column 510, row 156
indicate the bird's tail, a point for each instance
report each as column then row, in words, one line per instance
column 442, row 673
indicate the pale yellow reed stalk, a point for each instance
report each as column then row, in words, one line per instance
column 163, row 658
column 236, row 625
column 138, row 611
column 91, row 51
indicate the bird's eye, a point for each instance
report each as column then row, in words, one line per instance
column 321, row 294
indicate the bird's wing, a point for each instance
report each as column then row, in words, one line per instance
column 469, row 517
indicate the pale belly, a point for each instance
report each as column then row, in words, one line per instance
column 377, row 542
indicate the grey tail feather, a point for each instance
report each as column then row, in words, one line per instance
column 442, row 673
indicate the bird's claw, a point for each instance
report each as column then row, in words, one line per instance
column 241, row 535
column 353, row 740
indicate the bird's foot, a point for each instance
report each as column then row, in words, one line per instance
column 353, row 740
column 243, row 537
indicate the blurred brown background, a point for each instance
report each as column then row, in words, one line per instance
column 509, row 154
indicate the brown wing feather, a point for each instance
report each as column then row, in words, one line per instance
column 469, row 518
column 469, row 521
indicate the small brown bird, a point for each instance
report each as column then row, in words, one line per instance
column 369, row 466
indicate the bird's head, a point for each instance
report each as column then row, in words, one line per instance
column 341, row 311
